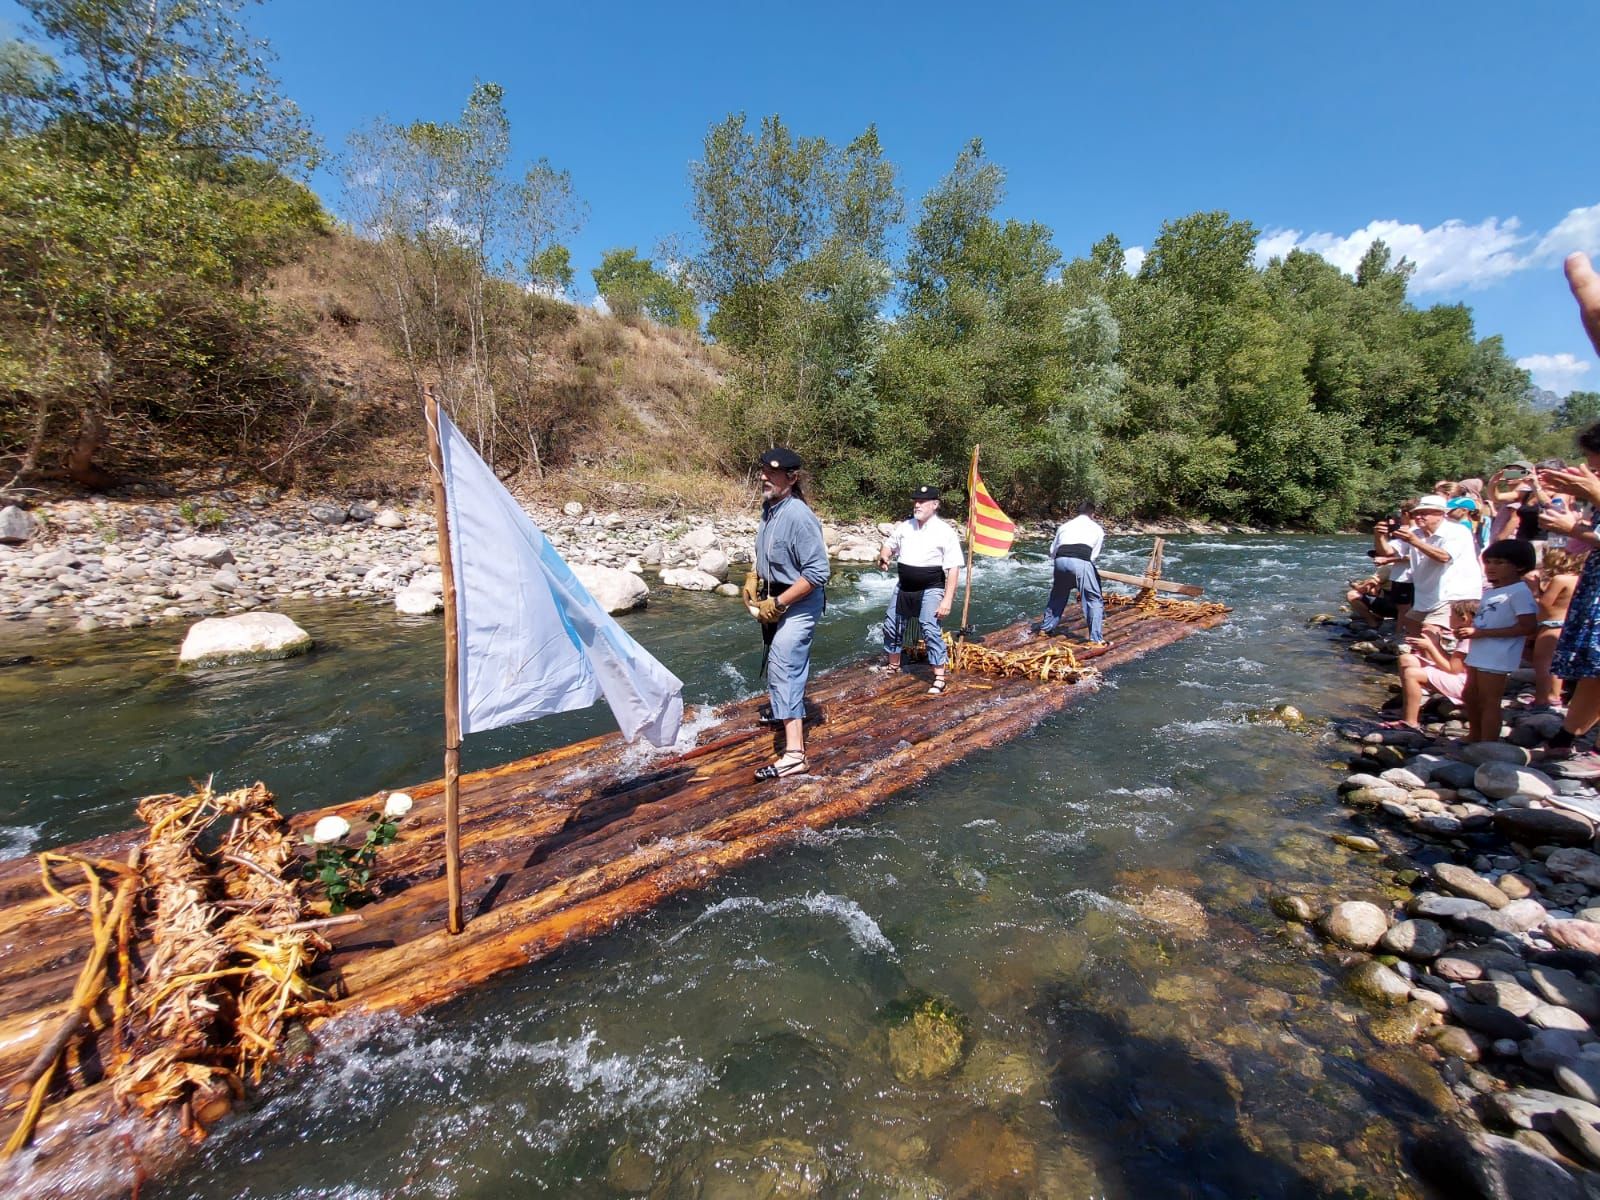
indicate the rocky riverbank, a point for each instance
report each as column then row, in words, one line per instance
column 106, row 563
column 1481, row 941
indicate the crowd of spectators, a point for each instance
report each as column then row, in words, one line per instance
column 1494, row 588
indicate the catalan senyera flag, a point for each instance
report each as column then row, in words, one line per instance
column 992, row 531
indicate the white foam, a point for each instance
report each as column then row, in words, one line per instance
column 17, row 840
column 982, row 823
column 863, row 930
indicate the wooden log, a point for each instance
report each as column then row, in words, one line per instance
column 1146, row 581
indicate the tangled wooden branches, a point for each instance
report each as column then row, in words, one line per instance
column 225, row 956
column 1055, row 661
column 1147, row 602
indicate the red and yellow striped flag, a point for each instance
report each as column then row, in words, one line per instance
column 992, row 531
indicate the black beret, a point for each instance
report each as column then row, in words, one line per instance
column 925, row 492
column 781, row 458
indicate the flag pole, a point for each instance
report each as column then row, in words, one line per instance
column 972, row 524
column 452, row 672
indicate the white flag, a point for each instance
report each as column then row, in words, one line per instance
column 532, row 640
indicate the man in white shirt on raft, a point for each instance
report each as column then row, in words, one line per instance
column 929, row 554
column 1074, row 551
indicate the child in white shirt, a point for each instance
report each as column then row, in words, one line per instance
column 1507, row 614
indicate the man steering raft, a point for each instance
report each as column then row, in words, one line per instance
column 785, row 593
column 929, row 554
column 1074, row 551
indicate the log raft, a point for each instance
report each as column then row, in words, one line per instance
column 556, row 848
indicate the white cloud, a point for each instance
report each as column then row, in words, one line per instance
column 1559, row 373
column 1578, row 230
column 1133, row 258
column 1449, row 256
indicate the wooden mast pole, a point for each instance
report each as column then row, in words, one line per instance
column 452, row 673
column 972, row 524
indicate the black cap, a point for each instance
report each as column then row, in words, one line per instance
column 925, row 492
column 781, row 458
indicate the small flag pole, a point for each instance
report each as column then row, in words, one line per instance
column 972, row 525
column 452, row 672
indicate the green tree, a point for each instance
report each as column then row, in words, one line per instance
column 1577, row 410
column 633, row 287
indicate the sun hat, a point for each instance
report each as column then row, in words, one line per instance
column 1461, row 502
column 1434, row 503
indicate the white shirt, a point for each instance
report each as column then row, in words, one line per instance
column 1499, row 609
column 932, row 544
column 1080, row 531
column 1441, row 582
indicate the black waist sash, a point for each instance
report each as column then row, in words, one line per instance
column 1075, row 550
column 913, row 582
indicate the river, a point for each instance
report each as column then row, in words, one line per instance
column 733, row 1042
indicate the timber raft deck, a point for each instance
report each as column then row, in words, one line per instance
column 556, row 848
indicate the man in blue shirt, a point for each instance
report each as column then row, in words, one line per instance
column 792, row 569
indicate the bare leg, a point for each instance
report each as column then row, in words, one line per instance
column 1358, row 605
column 1584, row 710
column 794, row 735
column 1471, row 702
column 1411, row 680
column 1491, row 693
column 1546, row 687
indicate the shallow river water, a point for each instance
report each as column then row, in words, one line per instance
column 734, row 1042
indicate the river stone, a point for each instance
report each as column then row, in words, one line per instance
column 1376, row 983
column 1535, row 826
column 1581, row 865
column 429, row 581
column 213, row 552
column 248, row 637
column 1530, row 1108
column 1580, row 1135
column 1464, row 882
column 1179, row 912
column 417, row 602
column 1547, row 1049
column 1457, row 970
column 689, row 580
column 928, row 1044
column 1359, row 780
column 1553, row 1016
column 1485, row 1166
column 1575, row 935
column 698, row 540
column 1489, row 1019
column 572, row 508
column 714, row 562
column 1499, row 780
column 1565, row 988
column 1495, row 752
column 328, row 514
column 1518, row 916
column 1372, row 797
column 1455, row 1042
column 1292, row 907
column 615, row 591
column 1402, row 1026
column 1579, row 1076
column 1403, row 778
column 1453, row 774
column 1439, row 823
column 1419, row 940
column 1512, row 997
column 1445, row 908
column 1514, row 886
column 388, row 518
column 17, row 525
column 1355, row 923
column 1358, row 843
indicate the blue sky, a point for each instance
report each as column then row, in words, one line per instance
column 1456, row 131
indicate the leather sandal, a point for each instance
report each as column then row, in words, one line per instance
column 792, row 762
column 940, row 682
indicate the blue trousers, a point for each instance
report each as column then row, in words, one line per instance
column 894, row 626
column 789, row 660
column 1079, row 574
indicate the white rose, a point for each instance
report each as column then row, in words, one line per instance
column 397, row 805
column 330, row 829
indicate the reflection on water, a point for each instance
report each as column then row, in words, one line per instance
column 736, row 1042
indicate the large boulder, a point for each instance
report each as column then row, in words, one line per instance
column 714, row 562
column 328, row 514
column 418, row 602
column 389, row 519
column 17, row 525
column 1501, row 779
column 213, row 552
column 698, row 540
column 1543, row 826
column 249, row 637
column 689, row 579
column 429, row 581
column 615, row 591
column 1580, row 865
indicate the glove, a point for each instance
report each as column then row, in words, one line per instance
column 769, row 611
column 751, row 585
